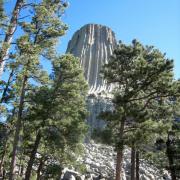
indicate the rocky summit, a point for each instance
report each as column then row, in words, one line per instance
column 93, row 44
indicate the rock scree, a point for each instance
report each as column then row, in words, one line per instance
column 99, row 161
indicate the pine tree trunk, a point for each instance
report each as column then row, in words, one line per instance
column 32, row 156
column 2, row 160
column 41, row 164
column 119, row 160
column 9, row 35
column 17, row 131
column 169, row 153
column 137, row 165
column 133, row 157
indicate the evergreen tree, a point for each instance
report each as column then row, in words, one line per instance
column 139, row 74
column 149, row 126
column 40, row 37
column 39, row 18
column 168, row 145
column 59, row 111
column 28, row 65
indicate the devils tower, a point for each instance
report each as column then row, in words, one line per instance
column 93, row 44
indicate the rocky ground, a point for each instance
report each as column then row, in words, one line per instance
column 100, row 163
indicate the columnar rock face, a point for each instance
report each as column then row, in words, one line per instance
column 93, row 44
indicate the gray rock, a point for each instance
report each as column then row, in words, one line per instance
column 69, row 174
column 103, row 163
column 143, row 177
column 78, row 177
column 99, row 169
column 93, row 44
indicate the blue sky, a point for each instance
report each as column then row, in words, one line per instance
column 153, row 22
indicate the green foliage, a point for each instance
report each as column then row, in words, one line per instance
column 1, row 10
column 51, row 171
column 2, row 13
column 58, row 110
column 143, row 88
column 34, row 103
column 143, row 81
column 103, row 136
column 3, row 137
column 155, row 158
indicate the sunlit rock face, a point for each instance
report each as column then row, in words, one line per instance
column 93, row 44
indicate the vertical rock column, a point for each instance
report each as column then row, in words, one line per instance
column 93, row 44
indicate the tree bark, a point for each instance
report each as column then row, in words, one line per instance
column 137, row 165
column 17, row 131
column 3, row 157
column 9, row 34
column 32, row 156
column 2, row 160
column 119, row 160
column 133, row 164
column 169, row 153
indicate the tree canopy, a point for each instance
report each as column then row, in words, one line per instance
column 143, row 81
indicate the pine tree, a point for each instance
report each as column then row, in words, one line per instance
column 29, row 68
column 140, row 74
column 164, row 152
column 149, row 126
column 41, row 34
column 59, row 111
column 41, row 18
column 168, row 144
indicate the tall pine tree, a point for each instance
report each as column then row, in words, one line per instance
column 139, row 74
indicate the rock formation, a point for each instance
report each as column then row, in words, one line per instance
column 93, row 44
